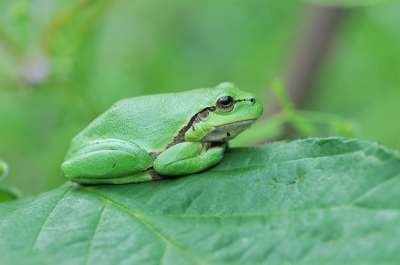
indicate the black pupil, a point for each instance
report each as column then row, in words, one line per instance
column 226, row 100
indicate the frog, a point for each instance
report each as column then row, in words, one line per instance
column 160, row 136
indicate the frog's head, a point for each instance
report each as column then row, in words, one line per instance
column 229, row 112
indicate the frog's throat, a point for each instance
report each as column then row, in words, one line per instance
column 180, row 137
column 226, row 132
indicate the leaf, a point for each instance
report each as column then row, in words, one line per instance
column 314, row 201
column 279, row 91
column 9, row 193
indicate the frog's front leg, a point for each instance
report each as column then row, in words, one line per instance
column 189, row 157
column 108, row 161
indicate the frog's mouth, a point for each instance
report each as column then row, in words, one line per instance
column 227, row 131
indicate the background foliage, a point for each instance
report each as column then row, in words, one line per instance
column 62, row 63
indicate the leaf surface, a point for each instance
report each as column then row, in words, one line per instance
column 308, row 201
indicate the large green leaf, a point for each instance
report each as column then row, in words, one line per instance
column 313, row 201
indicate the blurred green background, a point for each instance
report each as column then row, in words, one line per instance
column 62, row 63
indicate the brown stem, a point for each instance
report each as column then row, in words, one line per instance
column 316, row 35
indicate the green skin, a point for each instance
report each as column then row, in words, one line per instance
column 151, row 137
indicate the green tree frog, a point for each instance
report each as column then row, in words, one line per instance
column 151, row 137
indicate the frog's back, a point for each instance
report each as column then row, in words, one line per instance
column 151, row 122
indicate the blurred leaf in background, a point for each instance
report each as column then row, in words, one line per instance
column 62, row 63
column 360, row 76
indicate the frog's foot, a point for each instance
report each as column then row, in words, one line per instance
column 108, row 161
column 188, row 157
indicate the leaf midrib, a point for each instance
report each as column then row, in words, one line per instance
column 140, row 218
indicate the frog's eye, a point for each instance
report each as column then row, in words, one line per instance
column 225, row 103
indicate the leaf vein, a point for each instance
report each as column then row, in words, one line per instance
column 374, row 188
column 166, row 240
column 47, row 219
column 294, row 212
column 90, row 247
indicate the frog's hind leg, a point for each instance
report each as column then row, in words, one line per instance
column 108, row 161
